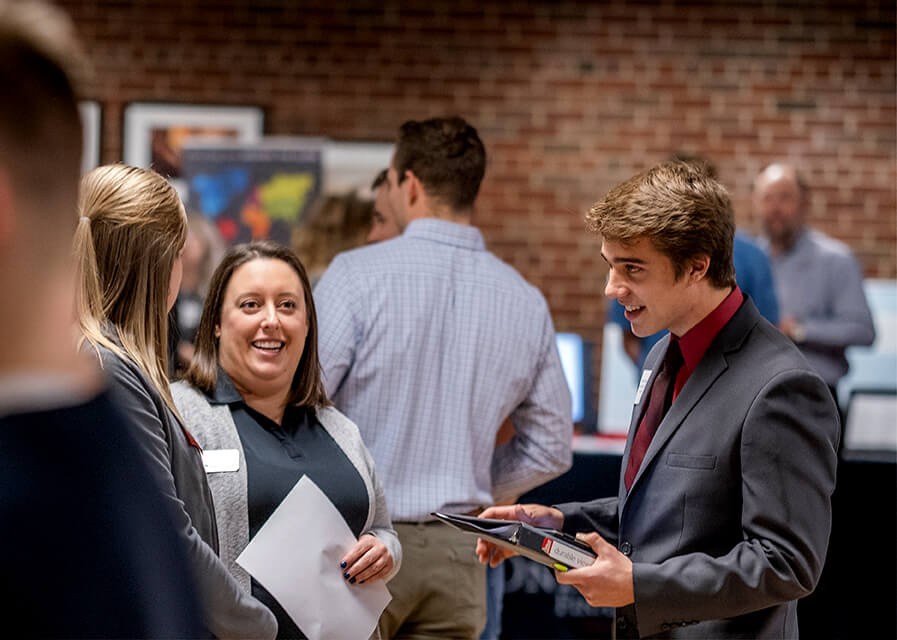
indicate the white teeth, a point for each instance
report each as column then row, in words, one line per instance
column 628, row 308
column 267, row 344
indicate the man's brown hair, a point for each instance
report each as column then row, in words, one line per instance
column 446, row 155
column 681, row 208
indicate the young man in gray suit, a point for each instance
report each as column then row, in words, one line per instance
column 723, row 512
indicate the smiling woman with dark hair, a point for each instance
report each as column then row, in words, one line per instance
column 254, row 387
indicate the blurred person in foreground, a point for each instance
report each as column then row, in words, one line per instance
column 820, row 282
column 428, row 342
column 723, row 514
column 90, row 546
column 254, row 386
column 129, row 245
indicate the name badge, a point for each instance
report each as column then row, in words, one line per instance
column 646, row 375
column 220, row 460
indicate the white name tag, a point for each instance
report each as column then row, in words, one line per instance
column 646, row 375
column 219, row 460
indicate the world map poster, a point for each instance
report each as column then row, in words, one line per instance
column 252, row 192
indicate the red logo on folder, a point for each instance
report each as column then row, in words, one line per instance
column 546, row 545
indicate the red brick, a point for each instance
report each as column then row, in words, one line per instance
column 570, row 98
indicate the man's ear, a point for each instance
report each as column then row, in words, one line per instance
column 414, row 190
column 698, row 267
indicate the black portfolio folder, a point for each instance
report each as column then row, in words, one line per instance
column 549, row 547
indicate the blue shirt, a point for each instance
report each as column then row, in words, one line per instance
column 753, row 275
column 428, row 342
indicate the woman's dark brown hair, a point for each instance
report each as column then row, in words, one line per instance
column 307, row 389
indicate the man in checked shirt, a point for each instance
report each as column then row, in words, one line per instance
column 428, row 342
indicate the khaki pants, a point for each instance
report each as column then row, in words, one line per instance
column 440, row 591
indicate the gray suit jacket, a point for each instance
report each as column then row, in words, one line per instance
column 214, row 428
column 177, row 467
column 728, row 519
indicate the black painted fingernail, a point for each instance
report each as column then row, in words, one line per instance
column 352, row 581
column 342, row 564
column 346, row 576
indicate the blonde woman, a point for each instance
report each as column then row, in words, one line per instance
column 128, row 246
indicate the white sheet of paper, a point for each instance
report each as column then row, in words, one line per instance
column 296, row 556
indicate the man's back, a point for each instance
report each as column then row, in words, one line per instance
column 428, row 342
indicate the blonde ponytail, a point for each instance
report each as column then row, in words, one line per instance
column 132, row 227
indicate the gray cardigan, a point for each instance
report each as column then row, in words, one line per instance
column 214, row 428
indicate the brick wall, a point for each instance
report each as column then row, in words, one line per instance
column 570, row 98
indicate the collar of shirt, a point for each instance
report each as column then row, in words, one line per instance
column 446, row 232
column 225, row 392
column 696, row 341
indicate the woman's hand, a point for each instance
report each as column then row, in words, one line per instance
column 367, row 560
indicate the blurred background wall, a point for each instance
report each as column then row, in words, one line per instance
column 569, row 97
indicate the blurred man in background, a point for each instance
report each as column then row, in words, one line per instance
column 818, row 279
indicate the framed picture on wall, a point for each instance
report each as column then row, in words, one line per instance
column 91, row 120
column 252, row 191
column 268, row 188
column 154, row 133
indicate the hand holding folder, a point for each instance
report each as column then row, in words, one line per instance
column 550, row 547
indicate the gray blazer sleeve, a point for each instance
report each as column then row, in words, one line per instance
column 229, row 612
column 601, row 515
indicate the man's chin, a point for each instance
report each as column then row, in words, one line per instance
column 642, row 333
